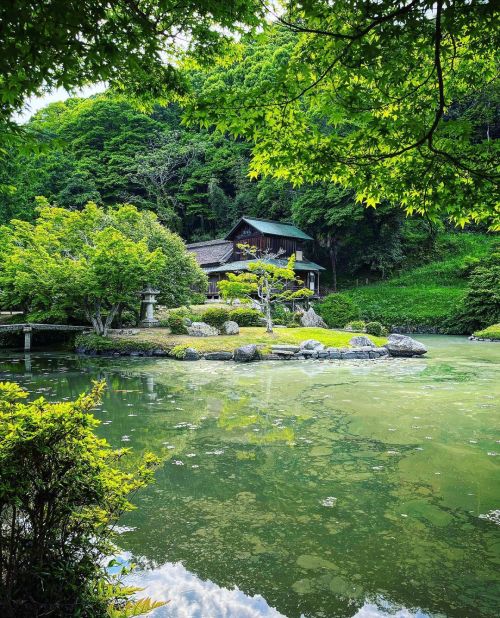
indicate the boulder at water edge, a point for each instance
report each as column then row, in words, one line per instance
column 362, row 340
column 246, row 353
column 312, row 319
column 312, row 344
column 201, row 329
column 230, row 328
column 402, row 345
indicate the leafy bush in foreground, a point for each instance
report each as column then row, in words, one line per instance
column 176, row 324
column 61, row 489
column 338, row 310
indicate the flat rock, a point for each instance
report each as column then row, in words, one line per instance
column 246, row 353
column 288, row 349
column 362, row 340
column 402, row 345
column 312, row 344
column 201, row 329
column 223, row 356
column 230, row 328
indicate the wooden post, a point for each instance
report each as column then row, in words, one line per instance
column 27, row 338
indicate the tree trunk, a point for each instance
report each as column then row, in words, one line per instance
column 109, row 319
column 269, row 320
column 333, row 250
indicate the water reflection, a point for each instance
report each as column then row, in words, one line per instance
column 315, row 489
column 191, row 597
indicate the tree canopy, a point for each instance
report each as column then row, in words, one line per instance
column 131, row 44
column 396, row 100
column 92, row 263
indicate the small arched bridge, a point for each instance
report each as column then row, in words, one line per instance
column 28, row 329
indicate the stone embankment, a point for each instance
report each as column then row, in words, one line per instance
column 362, row 349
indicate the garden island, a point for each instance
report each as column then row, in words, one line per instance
column 300, row 201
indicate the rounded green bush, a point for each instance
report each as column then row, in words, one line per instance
column 338, row 310
column 215, row 316
column 176, row 324
column 357, row 325
column 375, row 328
column 245, row 317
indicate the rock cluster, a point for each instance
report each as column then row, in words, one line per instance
column 314, row 349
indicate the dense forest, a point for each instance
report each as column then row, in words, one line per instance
column 104, row 149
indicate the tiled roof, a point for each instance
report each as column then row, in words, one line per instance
column 273, row 228
column 236, row 266
column 211, row 251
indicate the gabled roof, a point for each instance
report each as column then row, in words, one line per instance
column 211, row 251
column 272, row 228
column 243, row 265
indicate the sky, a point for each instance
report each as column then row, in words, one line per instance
column 60, row 94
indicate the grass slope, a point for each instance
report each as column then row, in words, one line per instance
column 425, row 296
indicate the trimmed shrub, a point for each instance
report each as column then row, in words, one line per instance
column 215, row 317
column 179, row 351
column 176, row 324
column 375, row 328
column 245, row 317
column 357, row 325
column 337, row 310
column 281, row 316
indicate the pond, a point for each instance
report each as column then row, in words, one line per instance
column 313, row 488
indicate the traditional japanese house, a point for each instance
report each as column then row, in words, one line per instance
column 218, row 257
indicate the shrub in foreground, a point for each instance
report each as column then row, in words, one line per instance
column 61, row 489
column 338, row 310
column 176, row 324
column 245, row 317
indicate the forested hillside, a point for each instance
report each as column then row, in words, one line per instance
column 103, row 149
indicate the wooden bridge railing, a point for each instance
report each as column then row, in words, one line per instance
column 28, row 330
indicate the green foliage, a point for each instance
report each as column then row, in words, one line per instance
column 91, row 263
column 492, row 332
column 51, row 462
column 338, row 310
column 96, row 344
column 357, row 325
column 375, row 328
column 391, row 101
column 269, row 279
column 245, row 317
column 176, row 323
column 179, row 351
column 129, row 47
column 480, row 306
column 426, row 297
column 197, row 298
column 215, row 316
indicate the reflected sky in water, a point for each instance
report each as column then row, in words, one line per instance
column 317, row 489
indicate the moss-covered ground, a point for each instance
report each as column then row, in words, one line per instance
column 161, row 338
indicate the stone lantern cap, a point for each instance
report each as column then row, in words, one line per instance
column 150, row 290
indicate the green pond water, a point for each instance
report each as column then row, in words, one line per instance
column 314, row 488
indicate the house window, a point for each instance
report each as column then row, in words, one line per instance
column 298, row 255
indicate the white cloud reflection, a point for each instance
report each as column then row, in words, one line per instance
column 192, row 597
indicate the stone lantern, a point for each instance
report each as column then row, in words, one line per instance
column 147, row 310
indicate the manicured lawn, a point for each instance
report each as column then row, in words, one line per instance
column 164, row 339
